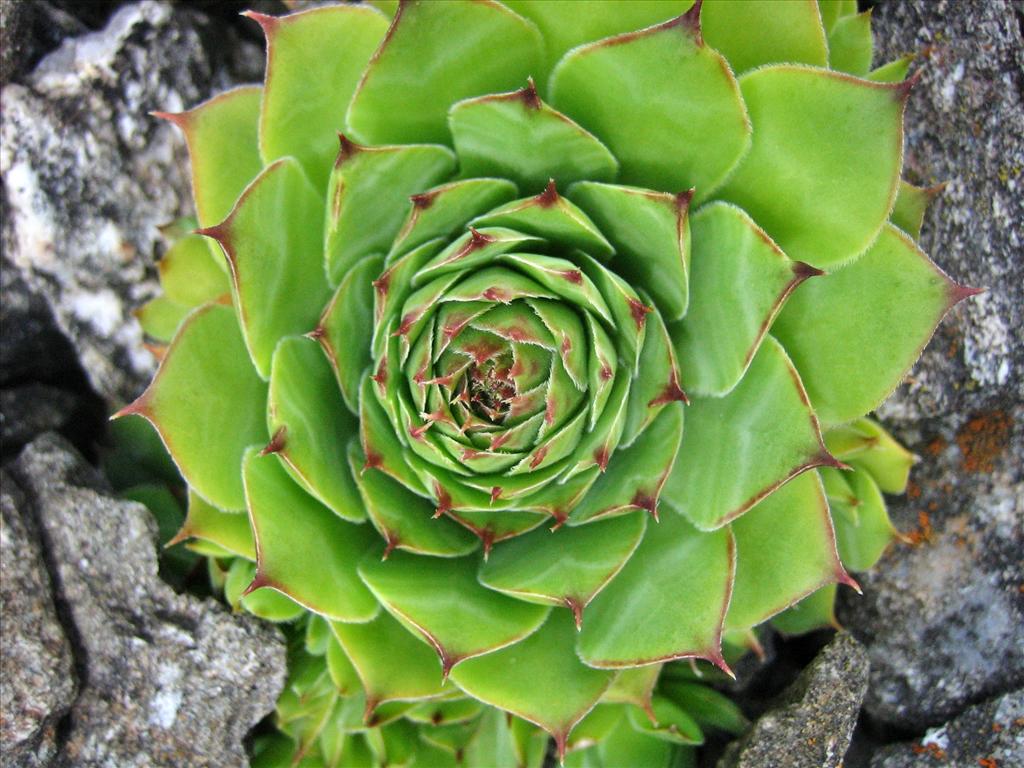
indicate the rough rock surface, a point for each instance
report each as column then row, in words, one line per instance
column 88, row 176
column 810, row 725
column 990, row 735
column 943, row 620
column 167, row 679
column 35, row 656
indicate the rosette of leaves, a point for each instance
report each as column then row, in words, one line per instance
column 525, row 348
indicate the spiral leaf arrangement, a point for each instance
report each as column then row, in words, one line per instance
column 524, row 349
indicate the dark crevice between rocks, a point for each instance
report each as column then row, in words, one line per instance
column 79, row 653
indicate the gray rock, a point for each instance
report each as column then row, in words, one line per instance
column 811, row 724
column 88, row 176
column 169, row 680
column 943, row 621
column 39, row 684
column 990, row 735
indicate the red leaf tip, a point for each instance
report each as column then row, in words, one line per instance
column 683, row 199
column 179, row 119
column 549, row 196
column 276, row 444
column 218, row 232
column 264, row 20
column 346, row 149
column 958, row 293
column 690, row 21
column 576, row 607
column 803, row 271
column 528, row 95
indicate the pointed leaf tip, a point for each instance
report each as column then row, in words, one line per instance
column 691, row 21
column 266, row 21
column 803, row 271
column 179, row 119
column 277, row 442
column 549, row 196
column 259, row 581
column 683, row 199
column 346, row 149
column 958, row 293
column 218, row 232
column 529, row 95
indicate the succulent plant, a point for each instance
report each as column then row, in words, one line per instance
column 459, row 280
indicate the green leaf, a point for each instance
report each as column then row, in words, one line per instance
column 740, row 281
column 404, row 519
column 634, row 686
column 864, row 444
column 834, row 143
column 445, row 712
column 271, row 240
column 492, row 744
column 656, row 383
column 665, row 104
column 636, row 475
column 742, row 447
column 368, row 196
column 305, row 51
column 796, row 520
column 911, row 204
column 444, row 603
column 707, row 706
column 303, row 549
column 444, row 210
column 862, row 539
column 670, row 723
column 565, row 567
column 811, row 613
column 539, row 679
column 627, row 746
column 850, row 44
column 391, row 663
column 751, row 34
column 311, row 427
column 207, row 403
column 842, row 360
column 668, row 602
column 189, row 276
column 345, row 326
column 225, row 529
column 566, row 24
column 340, row 668
column 421, row 69
column 651, row 235
column 222, row 144
column 517, row 136
column 160, row 318
column 833, row 10
column 553, row 217
column 266, row 603
column 893, row 72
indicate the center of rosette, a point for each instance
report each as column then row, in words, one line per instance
column 490, row 388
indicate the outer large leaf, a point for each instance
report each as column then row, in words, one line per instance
column 821, row 176
column 442, row 600
column 345, row 326
column 863, row 534
column 565, row 567
column 741, row 447
column 517, row 136
column 207, row 403
column 740, row 281
column 539, row 679
column 865, row 445
column 668, row 602
column 665, row 104
column 422, row 68
column 305, row 51
column 568, row 23
column 392, row 664
column 851, row 361
column 751, row 33
column 222, row 144
column 785, row 549
column 225, row 529
column 311, row 427
column 303, row 549
column 272, row 243
column 850, row 45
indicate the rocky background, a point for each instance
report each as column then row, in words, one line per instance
column 104, row 664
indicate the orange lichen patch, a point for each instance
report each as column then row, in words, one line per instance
column 913, row 490
column 988, row 762
column 932, row 750
column 983, row 439
column 923, row 533
column 935, row 447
